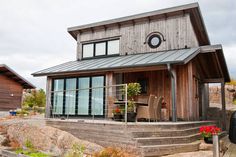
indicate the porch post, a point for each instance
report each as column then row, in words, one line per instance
column 173, row 91
column 48, row 97
column 223, row 105
column 205, row 100
column 109, row 94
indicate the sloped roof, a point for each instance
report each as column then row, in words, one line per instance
column 7, row 71
column 193, row 9
column 181, row 56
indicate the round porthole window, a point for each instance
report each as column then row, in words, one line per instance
column 154, row 41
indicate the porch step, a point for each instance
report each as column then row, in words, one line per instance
column 160, row 150
column 165, row 133
column 145, row 141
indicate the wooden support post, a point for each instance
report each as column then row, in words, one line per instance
column 205, row 100
column 48, row 97
column 110, row 80
column 173, row 92
column 223, row 106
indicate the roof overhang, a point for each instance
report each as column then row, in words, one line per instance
column 142, row 60
column 8, row 72
column 216, row 64
column 192, row 9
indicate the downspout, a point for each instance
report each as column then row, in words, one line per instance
column 173, row 91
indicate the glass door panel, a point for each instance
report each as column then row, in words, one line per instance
column 58, row 96
column 97, row 99
column 83, row 96
column 70, row 96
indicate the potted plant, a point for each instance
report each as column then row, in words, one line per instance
column 117, row 116
column 133, row 89
column 208, row 131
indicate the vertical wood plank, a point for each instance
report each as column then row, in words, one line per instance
column 223, row 106
column 48, row 97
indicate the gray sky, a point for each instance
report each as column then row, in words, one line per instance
column 33, row 33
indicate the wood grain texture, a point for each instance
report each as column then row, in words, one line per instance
column 10, row 93
column 158, row 84
column 48, row 97
column 177, row 30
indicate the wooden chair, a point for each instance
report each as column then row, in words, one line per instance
column 157, row 108
column 147, row 112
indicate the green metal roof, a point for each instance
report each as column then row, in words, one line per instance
column 181, row 56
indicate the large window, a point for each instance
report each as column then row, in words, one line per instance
column 58, row 96
column 70, row 96
column 104, row 48
column 83, row 96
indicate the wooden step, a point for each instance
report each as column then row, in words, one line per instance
column 160, row 150
column 166, row 140
column 165, row 133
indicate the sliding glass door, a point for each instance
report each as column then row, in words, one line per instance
column 97, row 102
column 83, row 96
column 58, row 96
column 70, row 96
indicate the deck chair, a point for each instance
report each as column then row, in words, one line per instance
column 147, row 112
column 157, row 108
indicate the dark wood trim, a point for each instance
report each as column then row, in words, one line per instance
column 213, row 80
column 76, row 97
column 94, row 49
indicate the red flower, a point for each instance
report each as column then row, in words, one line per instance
column 208, row 131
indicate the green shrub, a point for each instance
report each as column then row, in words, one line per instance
column 75, row 151
column 22, row 112
column 39, row 109
column 35, row 98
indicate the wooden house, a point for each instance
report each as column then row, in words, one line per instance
column 168, row 50
column 11, row 88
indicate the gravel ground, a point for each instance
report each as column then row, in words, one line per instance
column 4, row 114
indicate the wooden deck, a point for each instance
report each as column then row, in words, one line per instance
column 141, row 138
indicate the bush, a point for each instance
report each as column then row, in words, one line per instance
column 22, row 112
column 112, row 152
column 76, row 151
column 35, row 98
column 39, row 109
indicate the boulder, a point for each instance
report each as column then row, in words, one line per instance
column 48, row 139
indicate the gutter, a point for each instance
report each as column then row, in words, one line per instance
column 173, row 91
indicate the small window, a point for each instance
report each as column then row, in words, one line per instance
column 154, row 41
column 88, row 50
column 144, row 85
column 113, row 47
column 100, row 49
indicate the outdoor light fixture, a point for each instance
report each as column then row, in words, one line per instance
column 154, row 39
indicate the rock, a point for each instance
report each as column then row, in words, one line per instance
column 205, row 146
column 47, row 138
column 2, row 139
column 193, row 154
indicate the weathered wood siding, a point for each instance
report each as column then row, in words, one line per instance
column 10, row 93
column 178, row 32
column 158, row 84
column 188, row 92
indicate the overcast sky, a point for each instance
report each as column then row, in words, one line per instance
column 33, row 33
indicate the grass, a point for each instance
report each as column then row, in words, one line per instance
column 31, row 153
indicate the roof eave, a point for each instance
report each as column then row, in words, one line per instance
column 26, row 84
